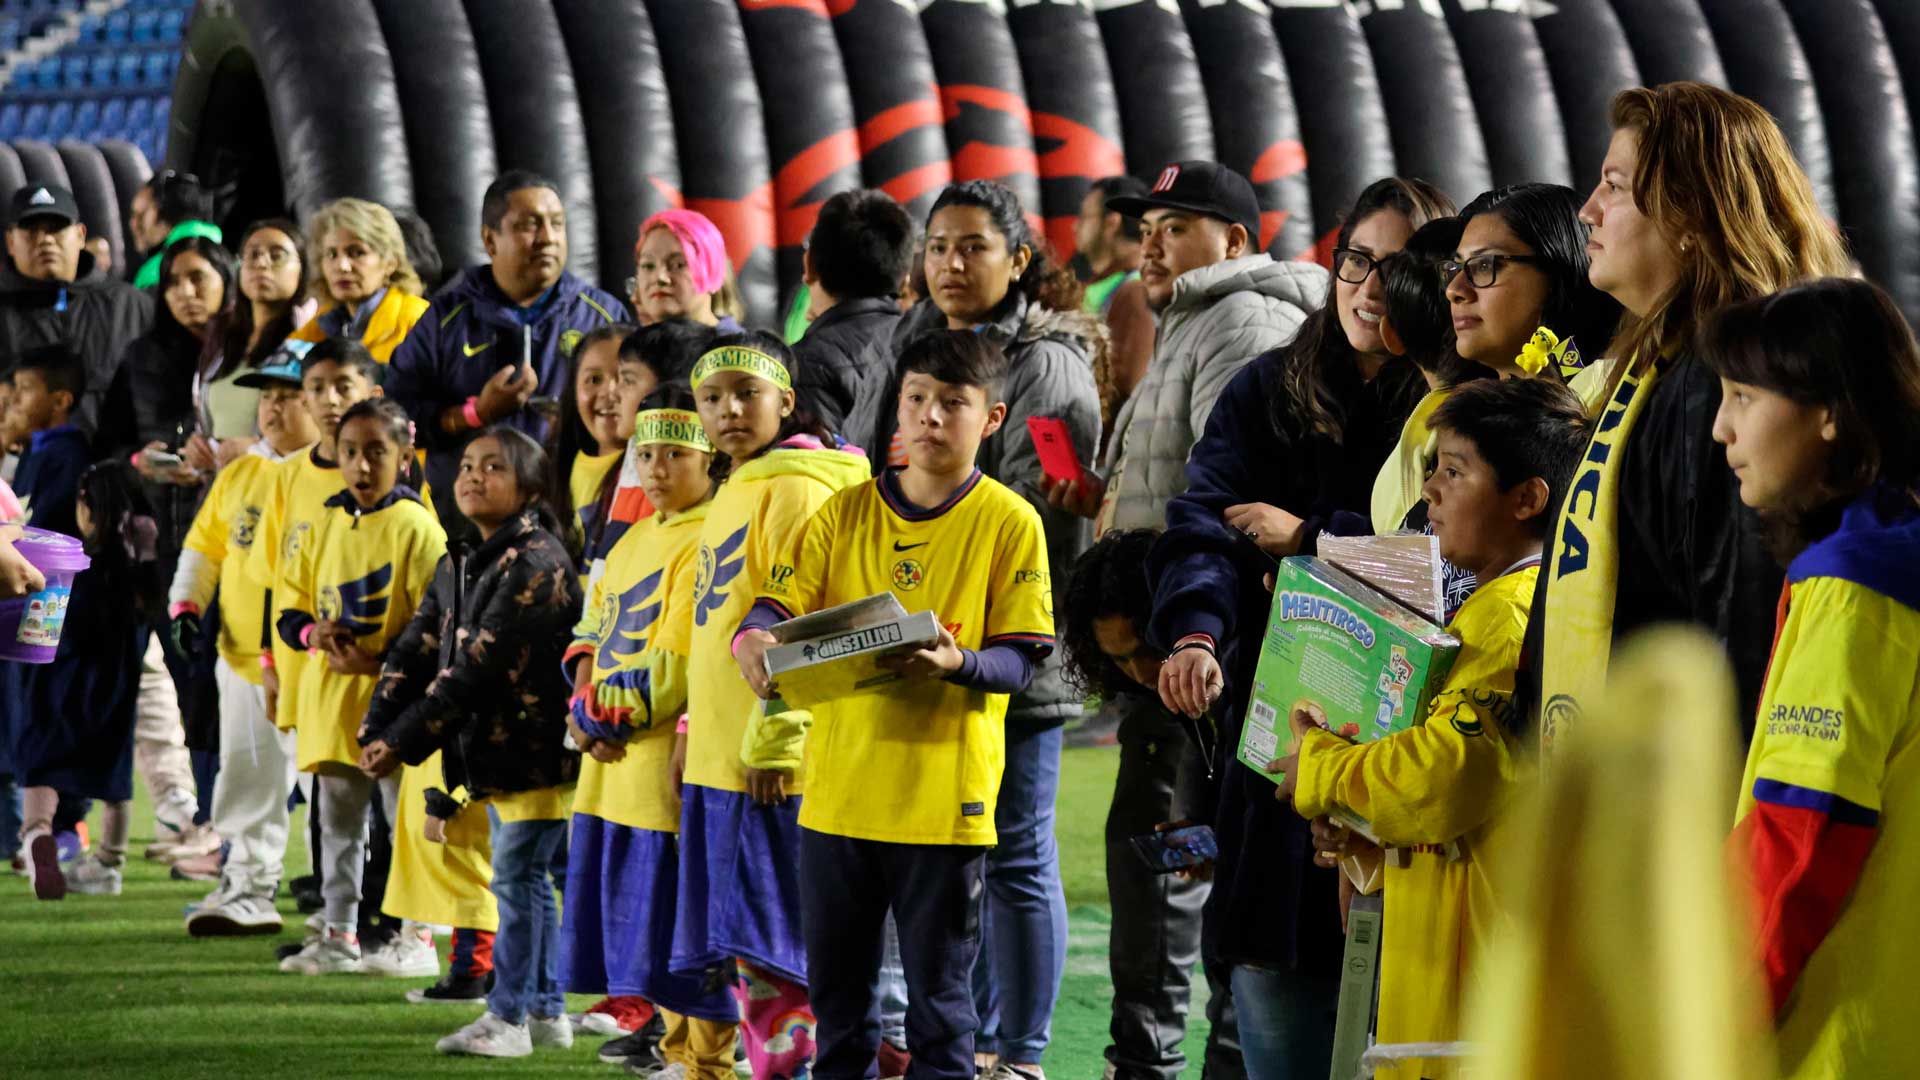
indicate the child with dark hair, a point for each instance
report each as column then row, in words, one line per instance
column 855, row 263
column 972, row 552
column 651, row 357
column 1506, row 452
column 476, row 674
column 73, row 718
column 596, row 416
column 47, row 385
column 1820, row 398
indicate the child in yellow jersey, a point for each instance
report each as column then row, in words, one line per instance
column 347, row 592
column 651, row 357
column 629, row 658
column 1506, row 450
column 596, row 418
column 1820, row 398
column 739, row 832
column 901, row 779
column 256, row 758
column 475, row 683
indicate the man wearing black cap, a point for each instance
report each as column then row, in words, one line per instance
column 53, row 293
column 1220, row 302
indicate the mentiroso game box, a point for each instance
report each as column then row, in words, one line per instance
column 1341, row 654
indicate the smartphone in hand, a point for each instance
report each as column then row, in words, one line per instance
column 1177, row 849
column 1054, row 443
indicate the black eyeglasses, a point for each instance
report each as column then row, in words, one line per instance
column 1483, row 270
column 1353, row 266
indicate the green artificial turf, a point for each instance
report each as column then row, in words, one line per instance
column 112, row 986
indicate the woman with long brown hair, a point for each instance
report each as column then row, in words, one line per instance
column 1700, row 205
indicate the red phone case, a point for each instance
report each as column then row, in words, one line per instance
column 1054, row 442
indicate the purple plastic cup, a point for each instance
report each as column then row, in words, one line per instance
column 30, row 626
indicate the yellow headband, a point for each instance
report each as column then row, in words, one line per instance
column 741, row 358
column 675, row 426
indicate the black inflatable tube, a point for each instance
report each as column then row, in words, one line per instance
column 896, row 101
column 629, row 121
column 1900, row 19
column 449, row 132
column 1163, row 102
column 92, row 185
column 1671, row 41
column 535, row 108
column 222, row 126
column 1874, row 170
column 331, row 143
column 1436, row 135
column 811, row 142
column 1512, row 94
column 983, row 98
column 42, row 163
column 1255, row 129
column 1589, row 58
column 130, row 171
column 722, row 141
column 1342, row 119
column 12, row 176
column 1076, row 118
column 1764, row 61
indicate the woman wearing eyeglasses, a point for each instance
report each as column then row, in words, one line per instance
column 1290, row 451
column 1521, row 265
column 273, row 292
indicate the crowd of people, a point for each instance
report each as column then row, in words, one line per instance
column 485, row 571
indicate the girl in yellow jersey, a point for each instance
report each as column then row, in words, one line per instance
column 629, row 658
column 1819, row 400
column 739, row 831
column 349, row 590
column 596, row 418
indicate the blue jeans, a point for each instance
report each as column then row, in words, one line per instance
column 9, row 816
column 1023, row 924
column 526, row 950
column 1286, row 1022
column 891, row 989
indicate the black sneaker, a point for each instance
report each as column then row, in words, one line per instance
column 643, row 1046
column 451, row 990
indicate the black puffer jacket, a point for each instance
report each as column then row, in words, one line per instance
column 839, row 348
column 96, row 316
column 149, row 400
column 477, row 672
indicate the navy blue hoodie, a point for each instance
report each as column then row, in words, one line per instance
column 469, row 332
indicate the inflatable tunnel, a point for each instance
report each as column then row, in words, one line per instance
column 755, row 111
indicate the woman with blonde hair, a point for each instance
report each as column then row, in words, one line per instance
column 1700, row 205
column 358, row 269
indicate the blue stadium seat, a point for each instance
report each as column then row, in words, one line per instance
column 100, row 70
column 34, row 124
column 172, row 24
column 11, row 114
column 9, row 31
column 59, row 120
column 86, row 117
column 140, row 113
column 47, row 73
column 73, row 73
column 145, row 24
column 155, row 72
column 118, row 27
column 126, row 70
column 113, row 115
column 22, row 78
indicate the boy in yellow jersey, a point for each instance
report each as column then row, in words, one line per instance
column 630, row 687
column 1506, row 450
column 256, row 759
column 901, row 780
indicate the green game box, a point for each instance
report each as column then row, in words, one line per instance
column 1345, row 656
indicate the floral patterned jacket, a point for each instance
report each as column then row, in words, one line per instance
column 477, row 672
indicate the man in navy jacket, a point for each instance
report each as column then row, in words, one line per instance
column 498, row 335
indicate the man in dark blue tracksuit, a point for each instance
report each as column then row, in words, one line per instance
column 499, row 334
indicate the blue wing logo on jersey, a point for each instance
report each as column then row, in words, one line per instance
column 633, row 614
column 361, row 603
column 718, row 567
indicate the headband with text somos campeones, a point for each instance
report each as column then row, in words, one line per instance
column 677, row 427
column 741, row 358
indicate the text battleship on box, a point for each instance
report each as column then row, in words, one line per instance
column 832, row 653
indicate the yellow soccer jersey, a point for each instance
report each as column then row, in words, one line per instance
column 1404, row 473
column 1446, row 780
column 754, row 519
column 369, row 571
column 979, row 563
column 646, row 587
column 296, row 495
column 223, row 534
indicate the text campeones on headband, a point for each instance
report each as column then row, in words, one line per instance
column 673, row 426
column 741, row 358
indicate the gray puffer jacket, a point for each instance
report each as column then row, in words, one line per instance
column 1221, row 316
column 1051, row 357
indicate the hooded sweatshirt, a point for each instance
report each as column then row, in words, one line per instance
column 1221, row 316
column 94, row 315
column 471, row 331
column 1828, row 822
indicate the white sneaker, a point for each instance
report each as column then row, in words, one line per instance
column 554, row 1031
column 407, row 955
column 174, row 812
column 1004, row 1071
column 332, row 953
column 91, row 877
column 653, row 1070
column 233, row 916
column 489, row 1036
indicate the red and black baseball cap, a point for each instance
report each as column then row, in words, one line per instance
column 43, row 200
column 1199, row 187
